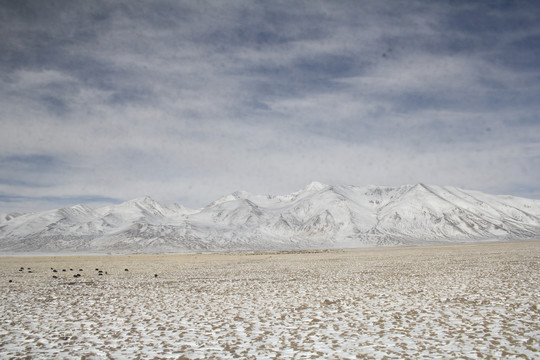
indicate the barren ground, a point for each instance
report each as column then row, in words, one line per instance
column 461, row 301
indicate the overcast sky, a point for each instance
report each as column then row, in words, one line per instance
column 187, row 101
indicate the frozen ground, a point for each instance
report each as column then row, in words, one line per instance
column 466, row 301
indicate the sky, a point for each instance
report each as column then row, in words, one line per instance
column 187, row 101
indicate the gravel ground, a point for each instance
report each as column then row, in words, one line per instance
column 461, row 301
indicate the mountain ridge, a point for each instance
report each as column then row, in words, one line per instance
column 316, row 216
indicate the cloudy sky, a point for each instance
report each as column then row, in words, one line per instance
column 186, row 101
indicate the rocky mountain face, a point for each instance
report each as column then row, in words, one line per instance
column 318, row 216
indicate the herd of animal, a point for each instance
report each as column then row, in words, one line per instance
column 55, row 275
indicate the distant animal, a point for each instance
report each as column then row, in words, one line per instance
column 10, row 281
column 155, row 275
column 80, row 270
column 126, row 269
column 55, row 277
column 55, row 270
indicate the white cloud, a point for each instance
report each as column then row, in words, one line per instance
column 202, row 99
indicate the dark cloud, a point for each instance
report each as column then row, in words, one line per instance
column 21, row 183
column 59, row 201
column 37, row 162
column 33, row 171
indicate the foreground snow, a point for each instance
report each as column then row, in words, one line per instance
column 468, row 301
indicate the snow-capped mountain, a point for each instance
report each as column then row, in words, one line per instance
column 318, row 216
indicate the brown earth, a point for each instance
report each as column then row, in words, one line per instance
column 457, row 301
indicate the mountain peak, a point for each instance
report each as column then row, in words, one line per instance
column 240, row 194
column 143, row 199
column 314, row 186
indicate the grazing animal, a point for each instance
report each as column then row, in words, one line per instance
column 155, row 275
column 10, row 281
column 80, row 269
column 55, row 270
column 64, row 270
column 55, row 277
column 126, row 269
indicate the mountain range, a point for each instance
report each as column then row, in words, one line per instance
column 317, row 216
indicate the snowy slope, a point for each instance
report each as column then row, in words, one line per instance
column 318, row 215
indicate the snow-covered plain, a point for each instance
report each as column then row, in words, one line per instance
column 456, row 301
